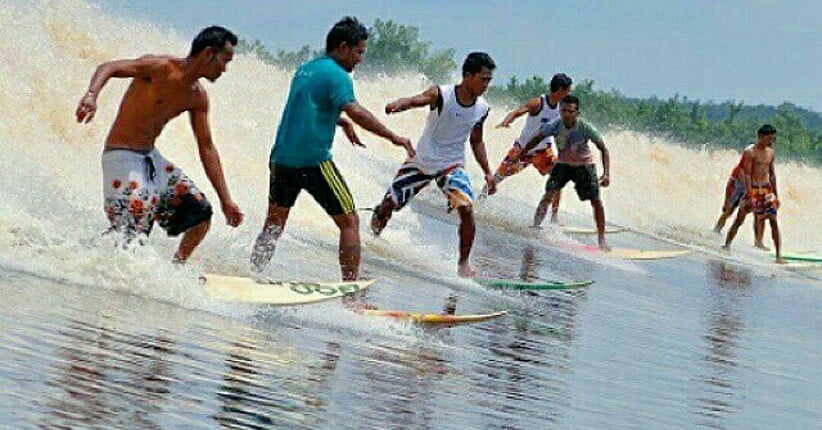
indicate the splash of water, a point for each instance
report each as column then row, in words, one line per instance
column 51, row 219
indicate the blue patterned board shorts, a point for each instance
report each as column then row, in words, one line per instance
column 735, row 192
column 140, row 188
column 410, row 180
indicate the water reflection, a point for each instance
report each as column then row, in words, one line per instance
column 529, row 364
column 528, row 267
column 400, row 385
column 242, row 391
column 106, row 378
column 267, row 384
column 148, row 366
column 319, row 390
column 722, row 393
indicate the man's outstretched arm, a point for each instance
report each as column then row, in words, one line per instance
column 747, row 166
column 481, row 155
column 530, row 145
column 350, row 133
column 429, row 98
column 531, row 106
column 142, row 67
column 772, row 172
column 365, row 119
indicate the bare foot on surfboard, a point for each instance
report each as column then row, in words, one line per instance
column 357, row 304
column 760, row 245
column 464, row 270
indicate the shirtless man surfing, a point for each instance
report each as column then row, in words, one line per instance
column 759, row 178
column 139, row 185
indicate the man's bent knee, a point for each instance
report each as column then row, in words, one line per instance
column 466, row 211
column 347, row 221
column 202, row 227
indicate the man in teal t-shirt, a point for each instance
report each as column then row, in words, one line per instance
column 301, row 157
column 318, row 93
column 575, row 162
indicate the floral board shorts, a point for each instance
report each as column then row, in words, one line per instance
column 140, row 188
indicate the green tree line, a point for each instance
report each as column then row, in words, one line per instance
column 392, row 49
column 395, row 49
column 730, row 124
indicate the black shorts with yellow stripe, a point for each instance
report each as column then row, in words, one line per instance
column 323, row 182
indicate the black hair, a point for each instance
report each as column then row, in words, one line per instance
column 766, row 130
column 475, row 61
column 560, row 81
column 212, row 37
column 571, row 99
column 348, row 30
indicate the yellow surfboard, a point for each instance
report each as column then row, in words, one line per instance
column 644, row 254
column 278, row 293
column 434, row 318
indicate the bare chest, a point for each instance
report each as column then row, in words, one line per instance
column 762, row 158
column 761, row 162
column 160, row 100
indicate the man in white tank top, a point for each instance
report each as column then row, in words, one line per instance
column 540, row 110
column 457, row 113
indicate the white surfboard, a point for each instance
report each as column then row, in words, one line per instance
column 586, row 230
column 627, row 253
column 799, row 265
column 278, row 293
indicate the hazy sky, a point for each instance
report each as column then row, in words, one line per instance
column 756, row 51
